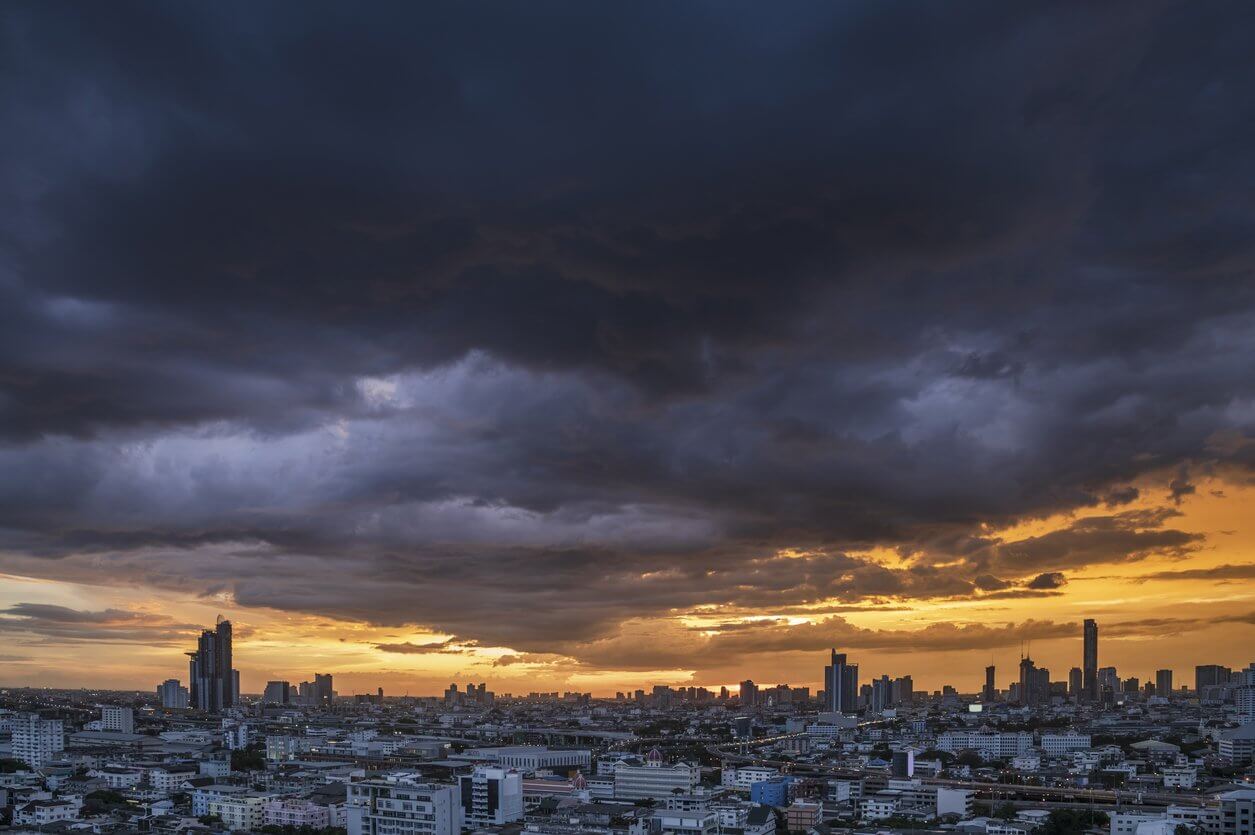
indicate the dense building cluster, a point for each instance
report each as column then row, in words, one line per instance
column 1094, row 753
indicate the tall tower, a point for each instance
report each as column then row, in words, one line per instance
column 841, row 684
column 990, row 691
column 1028, row 681
column 214, row 684
column 1089, row 666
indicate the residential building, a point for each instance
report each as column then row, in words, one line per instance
column 491, row 796
column 401, row 804
column 119, row 719
column 174, row 696
column 37, row 740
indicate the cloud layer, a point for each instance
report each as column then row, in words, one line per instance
column 519, row 323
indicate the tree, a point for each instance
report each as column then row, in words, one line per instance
column 1006, row 811
column 252, row 758
column 1073, row 821
column 11, row 766
column 969, row 758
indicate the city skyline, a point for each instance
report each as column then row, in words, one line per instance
column 450, row 346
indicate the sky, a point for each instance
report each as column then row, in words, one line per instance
column 567, row 346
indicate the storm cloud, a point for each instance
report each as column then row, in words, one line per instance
column 518, row 322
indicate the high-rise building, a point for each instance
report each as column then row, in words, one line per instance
column 882, row 694
column 214, row 683
column 491, row 796
column 1244, row 694
column 1034, row 684
column 1076, row 683
column 903, row 690
column 990, row 693
column 1089, row 663
column 749, row 693
column 120, row 719
column 325, row 692
column 172, row 694
column 37, row 740
column 277, row 693
column 1108, row 679
column 1163, row 683
column 401, row 804
column 1210, row 675
column 841, row 689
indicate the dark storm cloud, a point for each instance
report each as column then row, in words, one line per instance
column 1049, row 580
column 452, row 646
column 520, row 321
column 47, row 623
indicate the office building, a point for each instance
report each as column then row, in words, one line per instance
column 36, row 741
column 1089, row 661
column 1210, row 675
column 990, row 692
column 903, row 690
column 1076, row 683
column 324, row 692
column 401, row 804
column 1163, row 683
column 841, row 690
column 119, row 719
column 1244, row 694
column 749, row 693
column 173, row 696
column 491, row 796
column 277, row 693
column 882, row 693
column 214, row 682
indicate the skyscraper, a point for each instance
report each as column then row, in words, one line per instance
column 1089, row 664
column 1163, row 683
column 172, row 694
column 1028, row 681
column 1210, row 675
column 991, row 691
column 277, row 693
column 841, row 684
column 214, row 683
column 749, row 693
column 1076, row 683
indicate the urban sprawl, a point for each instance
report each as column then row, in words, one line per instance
column 1096, row 753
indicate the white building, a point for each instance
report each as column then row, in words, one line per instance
column 1237, row 745
column 654, row 779
column 1126, row 823
column 120, row 719
column 298, row 813
column 954, row 802
column 206, row 795
column 746, row 776
column 37, row 741
column 245, row 811
column 675, row 822
column 525, row 758
column 41, row 812
column 1180, row 777
column 1060, row 745
column 401, row 805
column 879, row 805
column 491, row 796
column 988, row 745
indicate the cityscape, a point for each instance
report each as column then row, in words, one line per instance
column 1094, row 750
column 667, row 417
